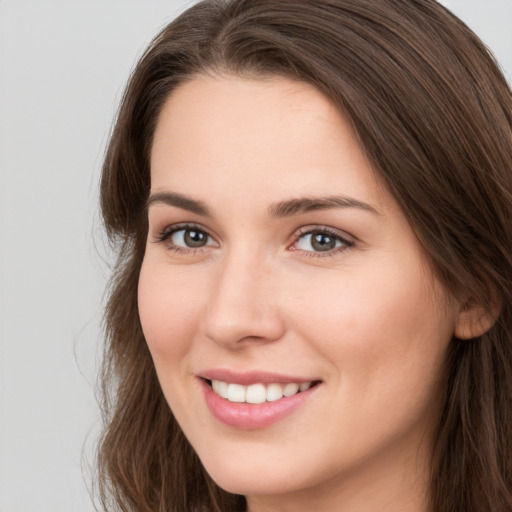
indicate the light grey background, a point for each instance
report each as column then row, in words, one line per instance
column 63, row 65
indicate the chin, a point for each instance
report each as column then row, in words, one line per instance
column 253, row 476
column 263, row 484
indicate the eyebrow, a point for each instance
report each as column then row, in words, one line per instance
column 310, row 204
column 286, row 208
column 180, row 201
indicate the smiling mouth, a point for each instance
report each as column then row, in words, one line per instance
column 258, row 393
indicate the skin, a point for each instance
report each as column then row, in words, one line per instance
column 369, row 319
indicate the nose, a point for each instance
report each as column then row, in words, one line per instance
column 243, row 305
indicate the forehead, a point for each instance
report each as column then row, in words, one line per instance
column 271, row 136
column 250, row 112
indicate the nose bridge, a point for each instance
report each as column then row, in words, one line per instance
column 243, row 303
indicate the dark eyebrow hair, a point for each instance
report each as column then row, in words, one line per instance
column 282, row 209
column 180, row 201
column 309, row 204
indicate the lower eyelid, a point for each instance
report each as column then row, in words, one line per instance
column 185, row 250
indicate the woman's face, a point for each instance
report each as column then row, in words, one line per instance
column 277, row 262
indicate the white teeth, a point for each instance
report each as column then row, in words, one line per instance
column 304, row 386
column 221, row 388
column 257, row 393
column 274, row 392
column 236, row 393
column 290, row 389
column 215, row 386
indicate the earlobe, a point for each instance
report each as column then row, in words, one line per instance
column 474, row 319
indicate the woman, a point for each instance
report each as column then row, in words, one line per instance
column 312, row 304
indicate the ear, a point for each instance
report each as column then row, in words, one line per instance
column 475, row 319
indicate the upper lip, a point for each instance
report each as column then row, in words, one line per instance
column 247, row 378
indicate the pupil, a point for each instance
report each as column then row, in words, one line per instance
column 195, row 238
column 322, row 242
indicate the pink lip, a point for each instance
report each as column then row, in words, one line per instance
column 252, row 377
column 252, row 416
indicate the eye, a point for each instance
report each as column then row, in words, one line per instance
column 183, row 238
column 191, row 237
column 321, row 240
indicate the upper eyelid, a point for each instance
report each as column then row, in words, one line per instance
column 327, row 229
column 173, row 228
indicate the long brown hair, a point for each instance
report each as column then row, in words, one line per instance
column 434, row 115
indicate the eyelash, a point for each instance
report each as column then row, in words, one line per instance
column 169, row 231
column 346, row 243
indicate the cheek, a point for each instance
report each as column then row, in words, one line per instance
column 169, row 308
column 385, row 337
column 378, row 324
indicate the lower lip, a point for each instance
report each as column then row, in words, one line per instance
column 252, row 416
